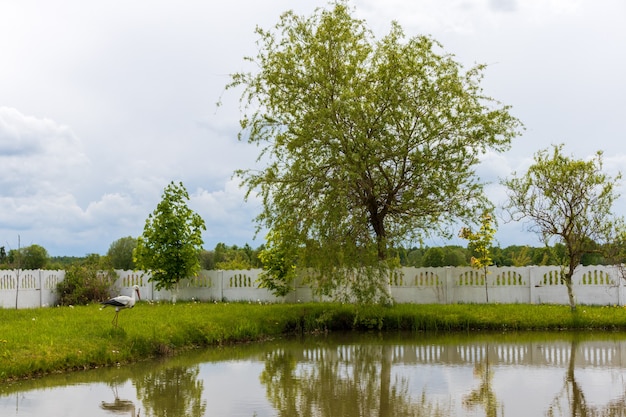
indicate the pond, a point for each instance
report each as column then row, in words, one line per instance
column 398, row 374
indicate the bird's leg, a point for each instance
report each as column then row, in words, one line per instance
column 114, row 322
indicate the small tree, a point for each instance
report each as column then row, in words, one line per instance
column 480, row 243
column 171, row 240
column 569, row 200
column 279, row 266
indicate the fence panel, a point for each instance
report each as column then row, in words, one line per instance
column 242, row 285
column 29, row 288
column 419, row 286
column 8, row 285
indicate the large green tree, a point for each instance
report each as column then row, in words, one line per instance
column 171, row 239
column 120, row 253
column 367, row 143
column 29, row 257
column 568, row 200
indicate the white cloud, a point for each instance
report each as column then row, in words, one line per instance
column 102, row 105
column 228, row 217
column 37, row 155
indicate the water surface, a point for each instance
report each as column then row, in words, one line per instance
column 480, row 374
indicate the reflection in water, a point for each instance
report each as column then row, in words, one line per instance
column 329, row 383
column 174, row 391
column 484, row 395
column 530, row 374
column 359, row 379
column 570, row 400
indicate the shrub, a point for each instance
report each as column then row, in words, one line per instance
column 84, row 284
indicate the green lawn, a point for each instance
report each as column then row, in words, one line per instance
column 39, row 341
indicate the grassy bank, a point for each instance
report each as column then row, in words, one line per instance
column 40, row 341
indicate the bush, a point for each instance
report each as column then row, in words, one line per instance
column 84, row 284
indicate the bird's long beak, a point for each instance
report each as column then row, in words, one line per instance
column 138, row 295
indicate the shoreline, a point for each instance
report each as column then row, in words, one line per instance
column 37, row 342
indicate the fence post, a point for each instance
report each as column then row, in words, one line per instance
column 620, row 285
column 531, row 284
column 221, row 275
column 448, row 286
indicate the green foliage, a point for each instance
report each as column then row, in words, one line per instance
column 86, row 282
column 480, row 242
column 234, row 257
column 171, row 240
column 521, row 258
column 438, row 256
column 455, row 255
column 568, row 200
column 237, row 262
column 415, row 257
column 434, row 257
column 380, row 150
column 120, row 253
column 279, row 266
column 29, row 257
column 61, row 262
column 206, row 259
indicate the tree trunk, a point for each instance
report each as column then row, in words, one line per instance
column 570, row 290
column 377, row 222
column 486, row 286
column 385, row 382
column 575, row 393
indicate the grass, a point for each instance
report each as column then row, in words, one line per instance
column 47, row 340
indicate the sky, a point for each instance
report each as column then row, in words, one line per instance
column 104, row 103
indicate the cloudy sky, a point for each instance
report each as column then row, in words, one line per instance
column 103, row 103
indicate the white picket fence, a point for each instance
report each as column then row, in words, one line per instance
column 593, row 285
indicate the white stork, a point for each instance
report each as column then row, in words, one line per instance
column 121, row 302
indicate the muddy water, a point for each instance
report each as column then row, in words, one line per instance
column 529, row 374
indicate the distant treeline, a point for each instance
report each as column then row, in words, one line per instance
column 235, row 257
column 246, row 257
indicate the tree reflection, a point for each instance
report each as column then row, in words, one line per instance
column 484, row 395
column 174, row 391
column 348, row 381
column 570, row 400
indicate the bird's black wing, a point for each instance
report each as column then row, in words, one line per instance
column 113, row 302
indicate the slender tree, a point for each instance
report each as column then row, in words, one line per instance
column 171, row 239
column 568, row 200
column 368, row 143
column 278, row 264
column 480, row 243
